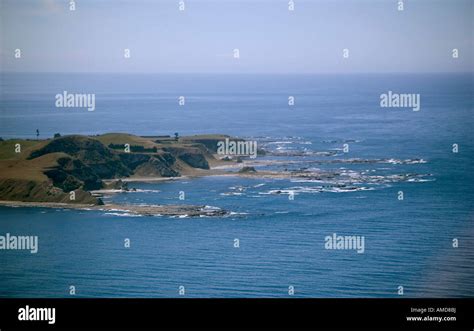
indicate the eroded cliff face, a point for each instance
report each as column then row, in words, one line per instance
column 34, row 191
column 194, row 157
column 160, row 164
column 80, row 164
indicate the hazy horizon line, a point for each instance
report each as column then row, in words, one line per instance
column 238, row 73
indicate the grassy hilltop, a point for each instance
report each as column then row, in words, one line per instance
column 48, row 170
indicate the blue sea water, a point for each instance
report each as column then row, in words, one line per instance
column 407, row 243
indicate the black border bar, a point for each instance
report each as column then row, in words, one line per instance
column 240, row 313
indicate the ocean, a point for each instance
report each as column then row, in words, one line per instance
column 408, row 242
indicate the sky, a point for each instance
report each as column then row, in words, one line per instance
column 269, row 37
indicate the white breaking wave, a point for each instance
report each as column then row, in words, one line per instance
column 124, row 214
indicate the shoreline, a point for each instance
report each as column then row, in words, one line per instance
column 49, row 171
column 148, row 210
column 142, row 210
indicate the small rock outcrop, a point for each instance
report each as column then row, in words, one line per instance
column 247, row 170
